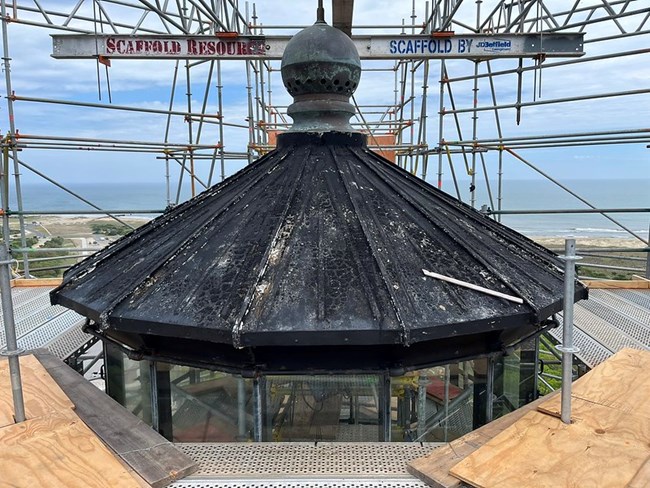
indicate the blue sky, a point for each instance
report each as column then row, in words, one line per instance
column 147, row 84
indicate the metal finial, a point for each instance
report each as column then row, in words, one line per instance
column 320, row 13
column 321, row 70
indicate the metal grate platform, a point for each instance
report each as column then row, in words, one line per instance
column 41, row 325
column 333, row 459
column 608, row 322
column 639, row 297
column 304, row 483
column 627, row 308
column 591, row 352
column 305, row 464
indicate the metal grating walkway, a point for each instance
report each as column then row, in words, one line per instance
column 41, row 325
column 304, row 483
column 305, row 464
column 609, row 321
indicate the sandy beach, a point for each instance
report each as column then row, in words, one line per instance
column 72, row 227
column 589, row 242
column 83, row 240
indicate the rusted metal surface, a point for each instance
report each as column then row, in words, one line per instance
column 311, row 260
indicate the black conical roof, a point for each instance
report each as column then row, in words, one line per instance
column 311, row 259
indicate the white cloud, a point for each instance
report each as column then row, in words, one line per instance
column 144, row 83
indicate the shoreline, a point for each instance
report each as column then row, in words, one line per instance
column 79, row 226
column 556, row 242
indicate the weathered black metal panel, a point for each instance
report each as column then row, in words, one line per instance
column 321, row 243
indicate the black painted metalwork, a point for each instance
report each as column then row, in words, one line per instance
column 311, row 259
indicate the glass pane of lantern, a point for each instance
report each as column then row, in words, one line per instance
column 323, row 408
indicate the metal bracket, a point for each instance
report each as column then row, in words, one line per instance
column 572, row 350
column 570, row 258
column 16, row 352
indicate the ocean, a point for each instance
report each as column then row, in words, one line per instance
column 517, row 194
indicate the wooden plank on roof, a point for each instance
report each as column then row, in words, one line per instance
column 434, row 468
column 41, row 394
column 150, row 455
column 618, row 284
column 34, row 282
column 622, row 382
column 58, row 450
column 603, row 447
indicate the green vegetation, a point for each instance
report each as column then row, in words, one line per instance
column 109, row 229
column 54, row 267
column 29, row 242
column 551, row 367
column 610, row 259
column 606, row 274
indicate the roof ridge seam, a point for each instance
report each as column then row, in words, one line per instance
column 456, row 238
column 264, row 263
column 406, row 336
column 105, row 314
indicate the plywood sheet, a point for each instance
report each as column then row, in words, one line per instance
column 154, row 458
column 618, row 284
column 434, row 468
column 42, row 395
column 622, row 382
column 603, row 447
column 58, row 450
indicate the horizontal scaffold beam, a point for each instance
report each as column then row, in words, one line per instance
column 231, row 46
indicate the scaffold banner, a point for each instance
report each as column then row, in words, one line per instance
column 471, row 46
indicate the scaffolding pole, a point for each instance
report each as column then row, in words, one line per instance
column 567, row 348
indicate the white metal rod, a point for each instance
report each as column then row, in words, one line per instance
column 471, row 286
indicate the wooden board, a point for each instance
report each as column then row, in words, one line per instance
column 150, row 455
column 41, row 394
column 622, row 382
column 33, row 282
column 58, row 450
column 604, row 447
column 434, row 468
column 618, row 284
